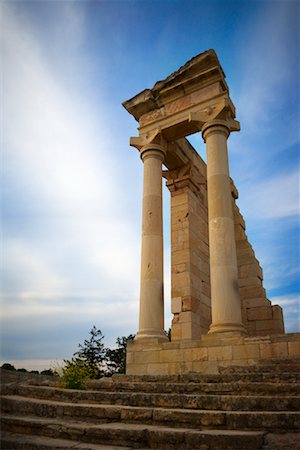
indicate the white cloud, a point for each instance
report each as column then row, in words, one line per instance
column 29, row 269
column 272, row 198
column 287, row 301
column 58, row 152
column 267, row 69
column 48, row 139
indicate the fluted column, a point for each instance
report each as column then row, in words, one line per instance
column 225, row 300
column 151, row 318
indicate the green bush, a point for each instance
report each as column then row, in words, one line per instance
column 48, row 372
column 8, row 366
column 74, row 374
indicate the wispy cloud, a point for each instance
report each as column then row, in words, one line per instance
column 59, row 172
column 268, row 67
column 273, row 197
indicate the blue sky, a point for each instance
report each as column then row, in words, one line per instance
column 71, row 185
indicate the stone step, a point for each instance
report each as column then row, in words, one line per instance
column 135, row 435
column 279, row 390
column 280, row 367
column 256, row 375
column 167, row 400
column 176, row 416
column 239, row 387
column 15, row 441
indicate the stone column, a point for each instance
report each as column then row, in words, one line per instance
column 225, row 300
column 151, row 319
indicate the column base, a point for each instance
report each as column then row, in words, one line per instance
column 157, row 336
column 232, row 328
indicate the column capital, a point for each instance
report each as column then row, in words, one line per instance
column 154, row 151
column 216, row 126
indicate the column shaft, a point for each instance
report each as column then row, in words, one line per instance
column 151, row 318
column 225, row 300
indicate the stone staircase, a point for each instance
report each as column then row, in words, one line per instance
column 240, row 408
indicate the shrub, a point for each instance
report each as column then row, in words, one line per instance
column 8, row 366
column 74, row 374
column 48, row 372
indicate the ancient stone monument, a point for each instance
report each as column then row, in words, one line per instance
column 221, row 313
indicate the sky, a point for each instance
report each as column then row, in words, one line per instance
column 71, row 187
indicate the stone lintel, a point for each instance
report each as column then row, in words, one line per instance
column 200, row 70
column 184, row 101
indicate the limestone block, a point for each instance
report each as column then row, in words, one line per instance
column 239, row 232
column 179, row 268
column 250, row 282
column 189, row 316
column 220, row 353
column 264, row 325
column 238, row 218
column 179, row 256
column 277, row 312
column 177, row 246
column 170, row 345
column 278, row 326
column 157, row 369
column 134, row 346
column 294, row 348
column 273, row 350
column 205, row 289
column 205, row 312
column 250, row 270
column 129, row 357
column 178, row 368
column 243, row 244
column 190, row 303
column 146, row 357
column 246, row 256
column 179, row 199
column 255, row 302
column 199, row 354
column 167, row 356
column 176, row 305
column 251, row 327
column 190, row 330
column 252, row 292
column 260, row 313
column 195, row 270
column 245, row 351
column 176, row 331
column 205, row 300
column 136, row 369
column 180, row 291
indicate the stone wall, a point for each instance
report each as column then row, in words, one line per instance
column 209, row 354
column 260, row 317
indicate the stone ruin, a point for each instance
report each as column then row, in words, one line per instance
column 220, row 310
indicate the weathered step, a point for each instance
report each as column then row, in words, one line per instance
column 256, row 420
column 14, row 441
column 166, row 400
column 279, row 367
column 135, row 435
column 245, row 388
column 256, row 375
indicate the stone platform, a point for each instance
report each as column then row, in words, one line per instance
column 208, row 354
column 241, row 408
